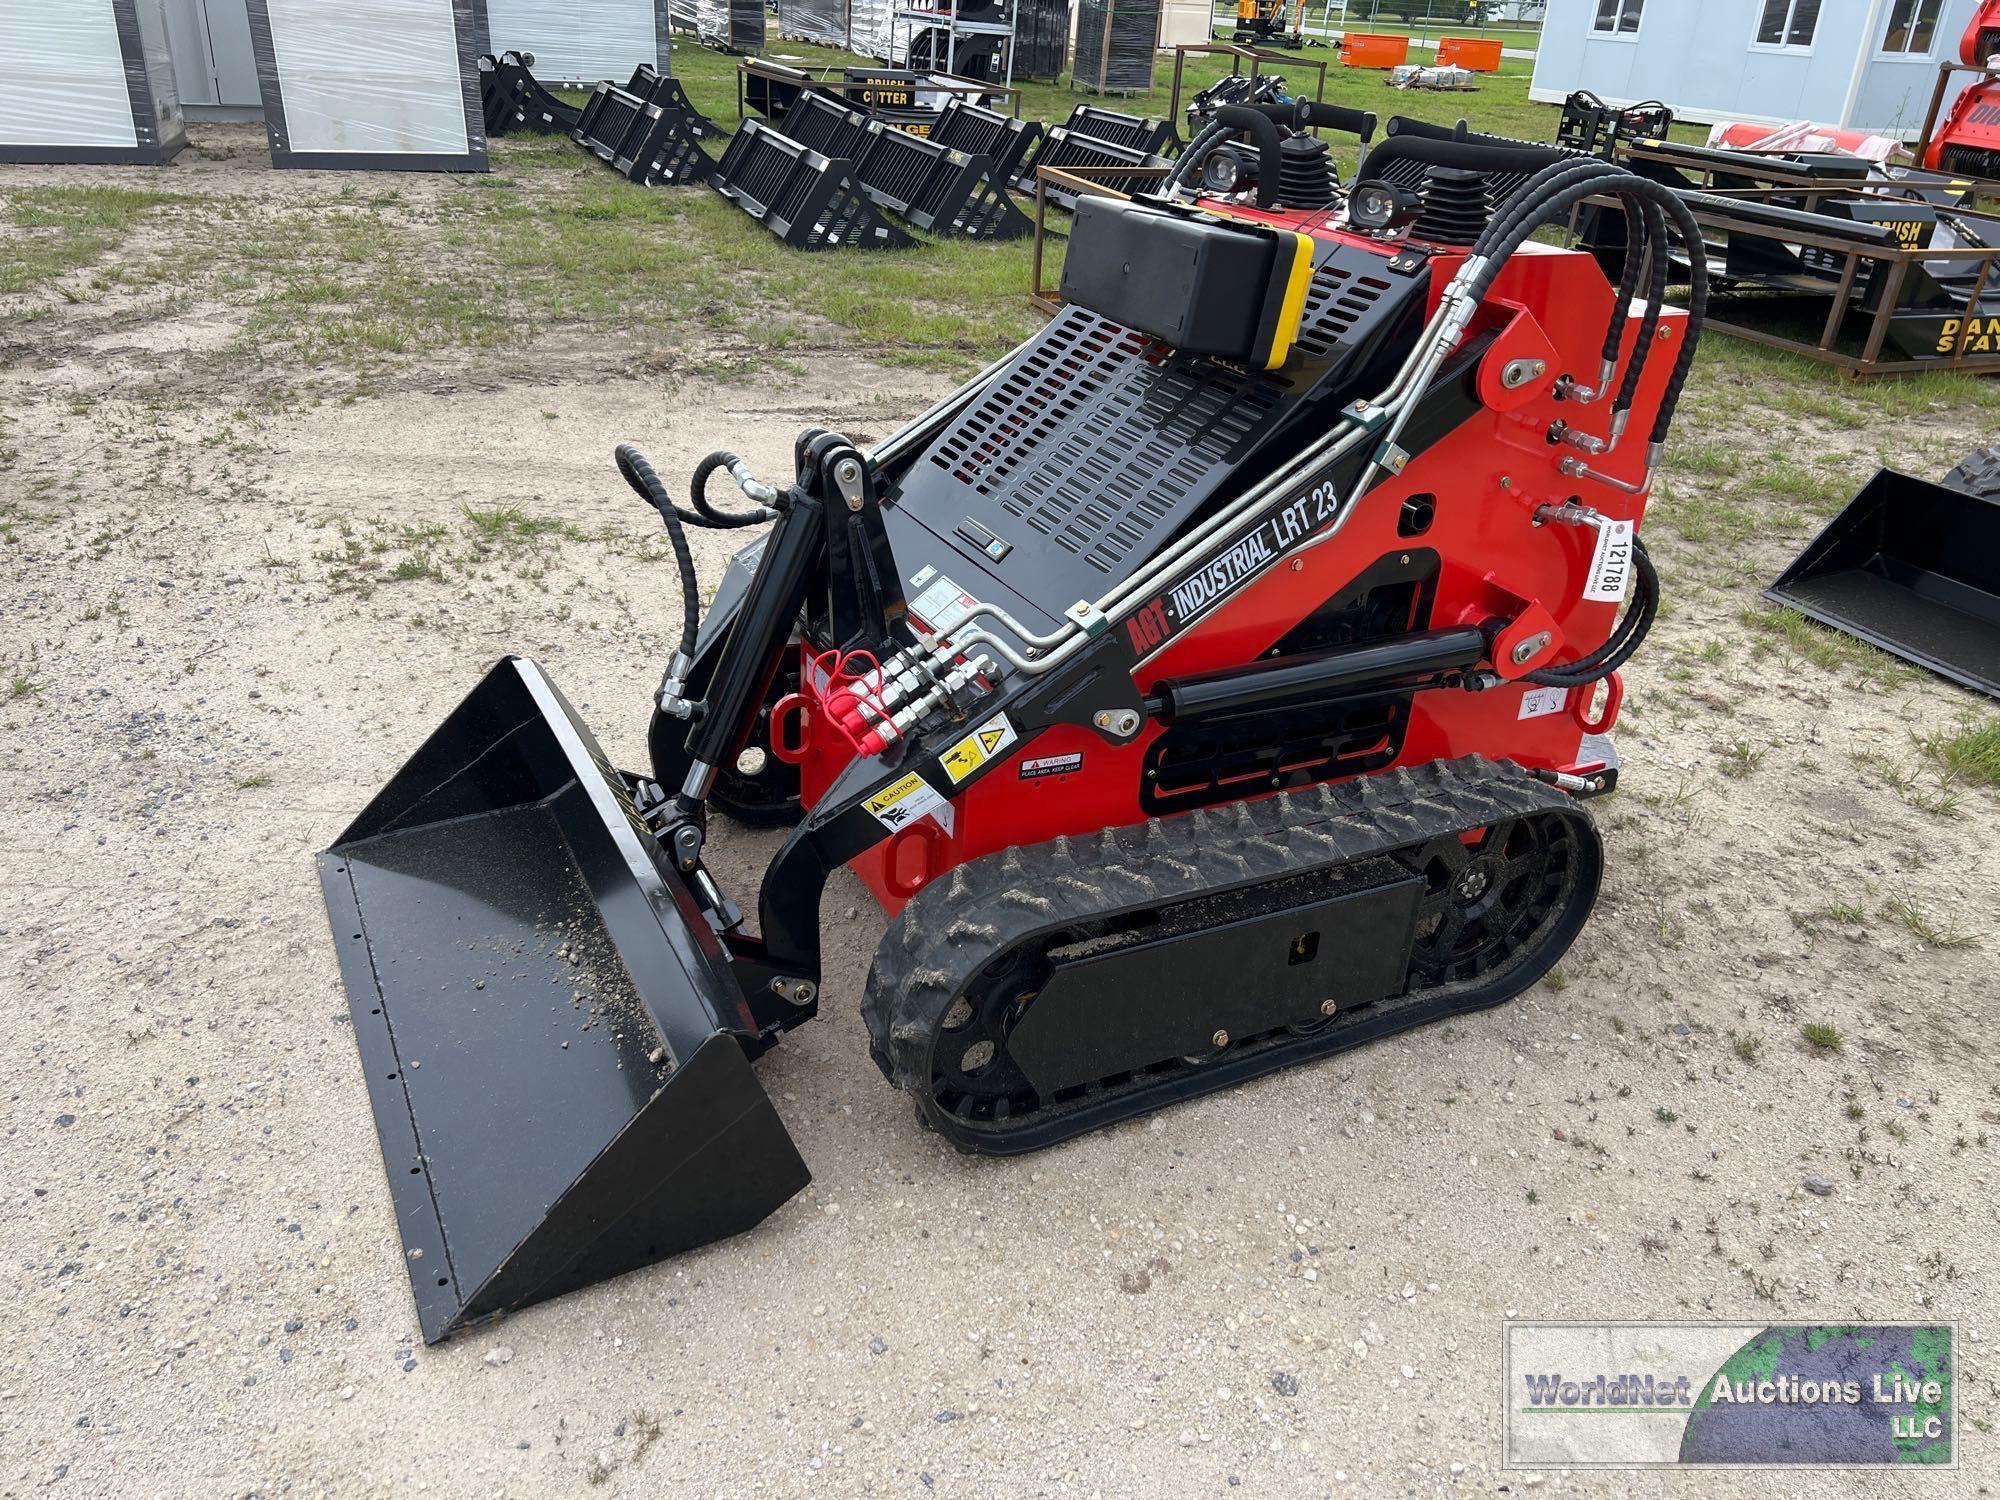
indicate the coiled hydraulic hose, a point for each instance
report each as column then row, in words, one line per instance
column 1540, row 207
column 1196, row 153
column 712, row 515
column 639, row 474
column 1648, row 207
column 1626, row 637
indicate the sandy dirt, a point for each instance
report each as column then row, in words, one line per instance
column 227, row 633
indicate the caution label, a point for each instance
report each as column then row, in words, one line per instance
column 1539, row 703
column 977, row 748
column 907, row 799
column 1051, row 765
column 942, row 604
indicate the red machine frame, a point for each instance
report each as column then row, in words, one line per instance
column 1497, row 469
column 1974, row 120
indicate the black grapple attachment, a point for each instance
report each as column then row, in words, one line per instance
column 555, row 1043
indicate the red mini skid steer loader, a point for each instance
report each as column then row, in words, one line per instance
column 1969, row 139
column 1210, row 685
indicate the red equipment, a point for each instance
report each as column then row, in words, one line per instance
column 1213, row 684
column 1494, row 472
column 1969, row 139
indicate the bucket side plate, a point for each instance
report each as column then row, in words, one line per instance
column 549, row 1032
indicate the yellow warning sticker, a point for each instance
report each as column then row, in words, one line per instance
column 907, row 799
column 977, row 748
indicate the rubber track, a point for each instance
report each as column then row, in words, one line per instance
column 954, row 926
column 1978, row 475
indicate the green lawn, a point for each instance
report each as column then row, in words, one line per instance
column 1500, row 105
column 379, row 272
column 586, row 238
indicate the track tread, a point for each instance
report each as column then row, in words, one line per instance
column 1979, row 474
column 938, row 943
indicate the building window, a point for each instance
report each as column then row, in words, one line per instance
column 1788, row 23
column 1912, row 26
column 1619, row 17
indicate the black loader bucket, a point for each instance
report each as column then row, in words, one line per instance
column 1914, row 568
column 549, row 1027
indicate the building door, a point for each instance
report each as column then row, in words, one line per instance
column 213, row 62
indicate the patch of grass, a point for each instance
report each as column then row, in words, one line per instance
column 1910, row 913
column 64, row 229
column 1739, row 758
column 417, row 565
column 1904, row 780
column 1972, row 754
column 1709, row 460
column 1704, row 515
column 1664, row 1115
column 509, row 524
column 1796, row 637
column 1823, row 1036
column 1747, row 1046
column 1816, row 491
column 252, row 781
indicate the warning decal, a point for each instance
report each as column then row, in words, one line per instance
column 1051, row 765
column 907, row 799
column 1539, row 703
column 942, row 605
column 978, row 747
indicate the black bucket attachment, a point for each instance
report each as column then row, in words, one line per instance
column 979, row 131
column 665, row 90
column 1914, row 568
column 937, row 189
column 1063, row 147
column 553, row 1038
column 642, row 142
column 823, row 124
column 515, row 102
column 809, row 201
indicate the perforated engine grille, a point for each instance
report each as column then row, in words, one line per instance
column 1099, row 487
column 1339, row 297
column 1099, row 444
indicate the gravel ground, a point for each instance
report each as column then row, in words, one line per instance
column 225, row 631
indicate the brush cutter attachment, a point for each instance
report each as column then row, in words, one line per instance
column 1914, row 568
column 553, row 1036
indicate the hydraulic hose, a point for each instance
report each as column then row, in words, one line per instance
column 709, row 514
column 1494, row 249
column 1264, row 131
column 1526, row 199
column 639, row 474
column 1657, row 238
column 1646, row 239
column 1197, row 152
column 1636, row 241
column 1626, row 637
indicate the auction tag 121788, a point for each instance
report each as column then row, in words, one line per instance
column 1611, row 564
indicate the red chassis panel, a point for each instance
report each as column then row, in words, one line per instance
column 1972, row 128
column 1488, row 478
